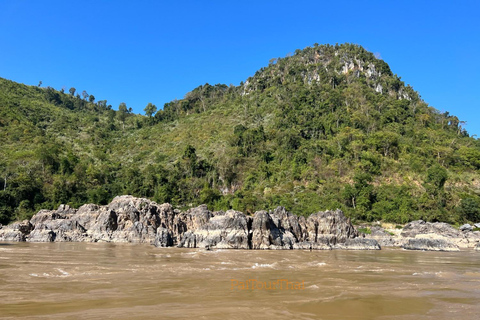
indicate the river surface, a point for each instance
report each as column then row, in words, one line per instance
column 127, row 281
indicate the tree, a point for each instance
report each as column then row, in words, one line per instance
column 91, row 98
column 190, row 158
column 84, row 95
column 122, row 113
column 102, row 104
column 40, row 84
column 470, row 209
column 150, row 109
column 72, row 91
column 359, row 195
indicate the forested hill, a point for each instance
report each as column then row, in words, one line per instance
column 327, row 127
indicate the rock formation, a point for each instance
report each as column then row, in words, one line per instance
column 421, row 235
column 138, row 220
column 430, row 245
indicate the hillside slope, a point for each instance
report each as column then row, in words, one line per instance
column 328, row 127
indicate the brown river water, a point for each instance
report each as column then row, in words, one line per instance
column 127, row 281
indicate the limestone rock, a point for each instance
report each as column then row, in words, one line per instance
column 360, row 244
column 430, row 245
column 16, row 231
column 414, row 228
column 139, row 220
column 225, row 230
column 466, row 227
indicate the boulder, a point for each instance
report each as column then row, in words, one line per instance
column 360, row 244
column 383, row 238
column 414, row 228
column 163, row 238
column 223, row 230
column 17, row 231
column 331, row 226
column 430, row 245
column 265, row 233
column 466, row 227
column 321, row 244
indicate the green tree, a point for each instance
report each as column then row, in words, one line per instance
column 72, row 91
column 122, row 113
column 359, row 196
column 470, row 209
column 150, row 109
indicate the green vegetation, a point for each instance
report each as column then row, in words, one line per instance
column 365, row 230
column 328, row 127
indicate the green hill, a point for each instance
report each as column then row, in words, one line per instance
column 328, row 127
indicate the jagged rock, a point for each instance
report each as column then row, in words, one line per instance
column 430, row 245
column 16, row 231
column 138, row 220
column 466, row 227
column 56, row 225
column 330, row 225
column 291, row 224
column 265, row 233
column 360, row 244
column 477, row 225
column 321, row 244
column 384, row 238
column 414, row 228
column 163, row 238
column 228, row 230
column 438, row 230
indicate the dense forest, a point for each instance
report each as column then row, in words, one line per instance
column 324, row 128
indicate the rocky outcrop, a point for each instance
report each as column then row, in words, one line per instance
column 359, row 244
column 383, row 237
column 137, row 220
column 430, row 245
column 16, row 231
column 463, row 237
column 223, row 230
column 420, row 229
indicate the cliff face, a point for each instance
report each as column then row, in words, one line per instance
column 138, row 220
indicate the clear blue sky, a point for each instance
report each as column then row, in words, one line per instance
column 155, row 51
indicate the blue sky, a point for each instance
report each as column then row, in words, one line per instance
column 155, row 51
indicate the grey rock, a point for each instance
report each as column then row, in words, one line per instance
column 330, row 225
column 466, row 227
column 221, row 230
column 265, row 233
column 477, row 247
column 477, row 225
column 415, row 228
column 16, row 231
column 430, row 245
column 139, row 220
column 360, row 244
column 322, row 244
column 163, row 238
